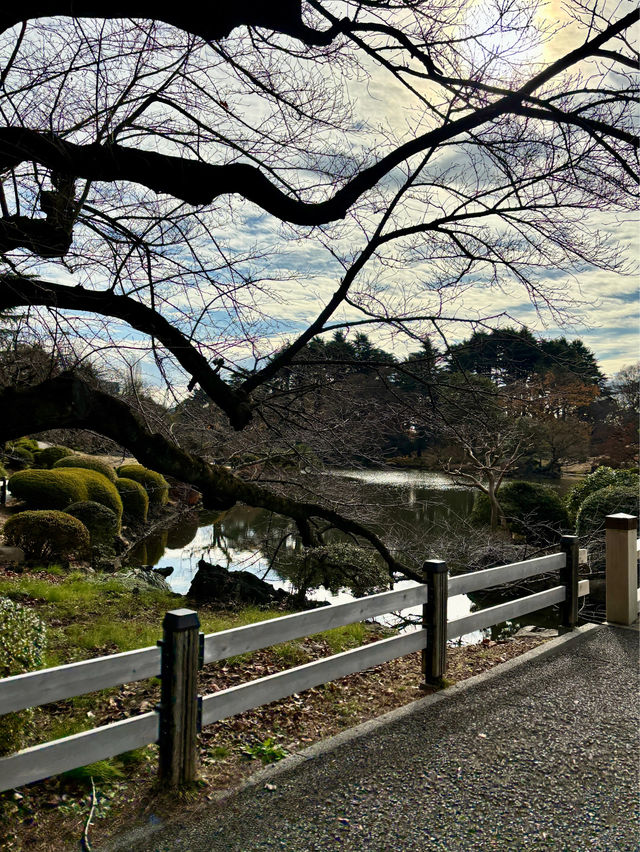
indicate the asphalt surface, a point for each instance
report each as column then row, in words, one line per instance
column 543, row 756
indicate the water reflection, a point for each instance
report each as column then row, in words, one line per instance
column 255, row 540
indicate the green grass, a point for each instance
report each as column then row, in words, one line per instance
column 342, row 638
column 87, row 616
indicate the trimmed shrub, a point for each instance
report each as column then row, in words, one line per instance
column 47, row 535
column 57, row 489
column 22, row 643
column 101, row 522
column 602, row 477
column 19, row 457
column 46, row 489
column 27, row 443
column 605, row 501
column 87, row 463
column 50, row 455
column 153, row 483
column 135, row 500
column 533, row 510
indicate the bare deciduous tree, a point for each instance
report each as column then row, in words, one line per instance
column 170, row 183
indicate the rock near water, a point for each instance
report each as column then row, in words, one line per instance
column 215, row 584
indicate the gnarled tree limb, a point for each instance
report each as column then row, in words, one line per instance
column 68, row 402
column 214, row 21
column 201, row 183
column 21, row 292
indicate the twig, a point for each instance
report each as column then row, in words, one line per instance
column 84, row 843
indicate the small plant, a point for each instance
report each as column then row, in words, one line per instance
column 47, row 535
column 22, row 643
column 268, row 751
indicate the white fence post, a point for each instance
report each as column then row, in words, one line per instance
column 622, row 568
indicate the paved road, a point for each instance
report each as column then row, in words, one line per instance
column 542, row 757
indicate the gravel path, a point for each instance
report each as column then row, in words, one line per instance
column 541, row 757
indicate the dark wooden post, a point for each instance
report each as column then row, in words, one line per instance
column 434, row 619
column 569, row 578
column 179, row 697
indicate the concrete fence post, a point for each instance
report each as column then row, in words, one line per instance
column 179, row 697
column 569, row 578
column 434, row 619
column 622, row 568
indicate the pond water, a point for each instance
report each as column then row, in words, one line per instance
column 410, row 500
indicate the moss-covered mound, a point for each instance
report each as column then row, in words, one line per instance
column 47, row 535
column 47, row 457
column 102, row 523
column 135, row 500
column 87, row 463
column 153, row 483
column 57, row 489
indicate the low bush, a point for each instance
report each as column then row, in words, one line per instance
column 153, row 483
column 602, row 477
column 135, row 500
column 87, row 463
column 49, row 456
column 532, row 510
column 57, row 489
column 47, row 535
column 22, row 643
column 605, row 501
column 101, row 522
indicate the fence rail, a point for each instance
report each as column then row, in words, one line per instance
column 36, row 688
column 239, row 640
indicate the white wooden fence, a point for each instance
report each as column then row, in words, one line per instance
column 179, row 693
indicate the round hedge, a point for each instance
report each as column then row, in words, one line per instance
column 602, row 477
column 20, row 457
column 605, row 501
column 47, row 534
column 135, row 500
column 28, row 444
column 101, row 522
column 57, row 489
column 153, row 483
column 50, row 455
column 87, row 463
column 531, row 509
column 22, row 643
